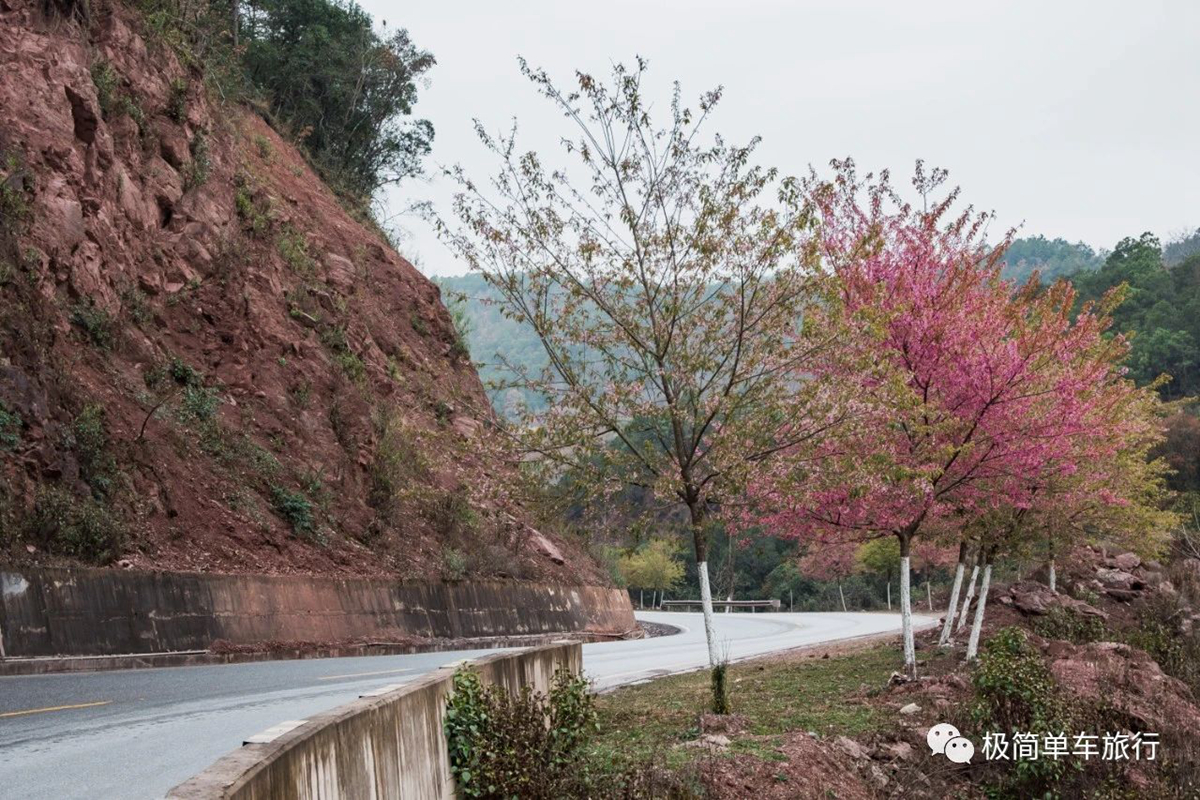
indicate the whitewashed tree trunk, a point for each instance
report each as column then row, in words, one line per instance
column 842, row 595
column 707, row 604
column 952, row 607
column 980, row 607
column 906, row 622
column 641, row 598
column 929, row 595
column 1053, row 578
column 966, row 606
column 889, row 592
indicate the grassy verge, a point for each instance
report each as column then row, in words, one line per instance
column 796, row 692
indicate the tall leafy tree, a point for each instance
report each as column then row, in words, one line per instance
column 345, row 88
column 664, row 274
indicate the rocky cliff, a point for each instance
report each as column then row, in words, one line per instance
column 207, row 362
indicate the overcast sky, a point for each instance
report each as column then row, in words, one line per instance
column 1077, row 119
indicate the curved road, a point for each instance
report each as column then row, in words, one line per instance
column 137, row 733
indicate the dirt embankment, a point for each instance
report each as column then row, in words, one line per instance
column 207, row 363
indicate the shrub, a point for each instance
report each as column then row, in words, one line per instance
column 295, row 508
column 397, row 464
column 1015, row 692
column 183, row 373
column 107, row 83
column 254, row 214
column 177, row 100
column 10, row 428
column 1157, row 632
column 89, row 435
column 196, row 172
column 74, row 526
column 199, row 403
column 720, row 689
column 517, row 745
column 114, row 100
column 334, row 338
column 1069, row 624
column 454, row 564
column 95, row 322
column 14, row 205
column 293, row 247
column 452, row 515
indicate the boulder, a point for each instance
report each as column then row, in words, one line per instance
column 1123, row 595
column 910, row 709
column 1035, row 599
column 1127, row 561
column 851, row 747
column 1116, row 578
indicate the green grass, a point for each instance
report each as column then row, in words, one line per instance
column 776, row 696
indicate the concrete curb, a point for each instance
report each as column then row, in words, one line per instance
column 387, row 745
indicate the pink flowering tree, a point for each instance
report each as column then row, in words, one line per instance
column 978, row 389
column 835, row 563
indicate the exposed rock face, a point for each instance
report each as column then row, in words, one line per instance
column 248, row 341
column 1110, row 671
column 1035, row 599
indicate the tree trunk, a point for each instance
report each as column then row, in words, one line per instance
column 962, row 615
column 977, row 625
column 906, row 622
column 707, row 604
column 729, row 608
column 641, row 599
column 889, row 591
column 1053, row 578
column 952, row 607
column 929, row 594
column 700, row 542
column 842, row 595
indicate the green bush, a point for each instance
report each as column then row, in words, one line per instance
column 1068, row 624
column 334, row 339
column 183, row 373
column 89, row 437
column 293, row 247
column 1157, row 632
column 73, row 526
column 1015, row 692
column 177, row 100
column 720, row 688
column 108, row 84
column 254, row 214
column 526, row 745
column 454, row 564
column 196, row 172
column 295, row 508
column 114, row 100
column 200, row 403
column 95, row 322
column 10, row 428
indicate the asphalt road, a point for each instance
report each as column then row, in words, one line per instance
column 136, row 733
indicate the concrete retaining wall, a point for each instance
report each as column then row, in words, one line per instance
column 52, row 612
column 391, row 746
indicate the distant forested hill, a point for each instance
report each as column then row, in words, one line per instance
column 1161, row 310
column 1053, row 258
column 493, row 339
